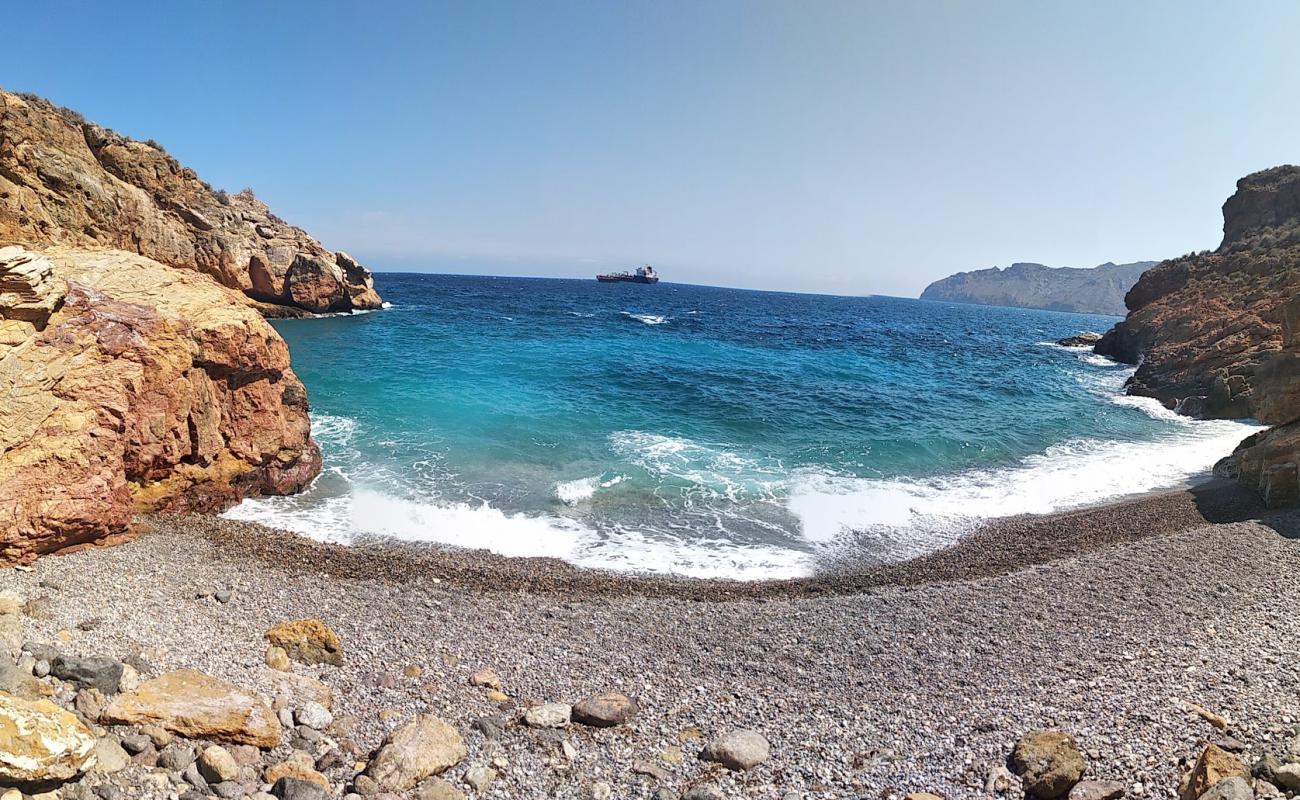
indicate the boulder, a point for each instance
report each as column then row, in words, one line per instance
column 605, row 710
column 1049, row 763
column 198, row 706
column 308, row 641
column 104, row 674
column 420, row 748
column 1080, row 340
column 1213, row 765
column 40, row 742
column 174, row 395
column 737, row 750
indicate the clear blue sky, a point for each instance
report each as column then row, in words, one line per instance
column 857, row 147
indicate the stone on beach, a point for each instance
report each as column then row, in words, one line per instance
column 104, row 674
column 41, row 742
column 289, row 788
column 1286, row 776
column 109, row 756
column 216, row 764
column 307, row 641
column 738, row 750
column 1235, row 788
column 1097, row 790
column 196, row 705
column 437, row 789
column 277, row 658
column 11, row 602
column 422, row 747
column 297, row 770
column 291, row 689
column 605, row 710
column 1214, row 764
column 487, row 678
column 1048, row 762
column 548, row 715
column 313, row 715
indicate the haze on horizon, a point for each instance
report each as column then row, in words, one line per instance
column 836, row 147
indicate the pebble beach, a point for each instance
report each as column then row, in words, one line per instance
column 1114, row 624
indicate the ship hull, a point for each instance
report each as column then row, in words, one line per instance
column 625, row 279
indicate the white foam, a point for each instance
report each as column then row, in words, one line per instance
column 648, row 319
column 906, row 517
column 1069, row 475
column 385, row 304
column 575, row 491
column 355, row 312
column 1100, row 361
column 1153, row 408
column 362, row 512
column 332, row 429
column 701, row 468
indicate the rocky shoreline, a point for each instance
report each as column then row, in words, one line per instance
column 1136, row 639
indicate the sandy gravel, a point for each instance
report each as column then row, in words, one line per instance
column 867, row 686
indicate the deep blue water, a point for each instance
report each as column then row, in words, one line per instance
column 709, row 431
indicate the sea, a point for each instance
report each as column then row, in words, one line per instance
column 710, row 432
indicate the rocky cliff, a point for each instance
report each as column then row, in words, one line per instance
column 1099, row 290
column 1217, row 334
column 67, row 181
column 127, row 385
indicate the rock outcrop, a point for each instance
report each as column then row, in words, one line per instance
column 1217, row 334
column 193, row 704
column 67, row 181
column 129, row 386
column 1099, row 290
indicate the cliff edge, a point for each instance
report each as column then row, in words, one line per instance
column 1099, row 290
column 66, row 181
column 1217, row 334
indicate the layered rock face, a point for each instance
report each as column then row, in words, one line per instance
column 127, row 385
column 70, row 182
column 1217, row 334
column 1099, row 290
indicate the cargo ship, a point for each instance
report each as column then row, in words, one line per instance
column 644, row 274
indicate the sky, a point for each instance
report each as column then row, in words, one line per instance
column 841, row 147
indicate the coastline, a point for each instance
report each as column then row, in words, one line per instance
column 913, row 677
column 994, row 548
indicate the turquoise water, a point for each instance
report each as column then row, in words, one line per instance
column 709, row 431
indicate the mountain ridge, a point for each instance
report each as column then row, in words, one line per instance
column 1084, row 290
